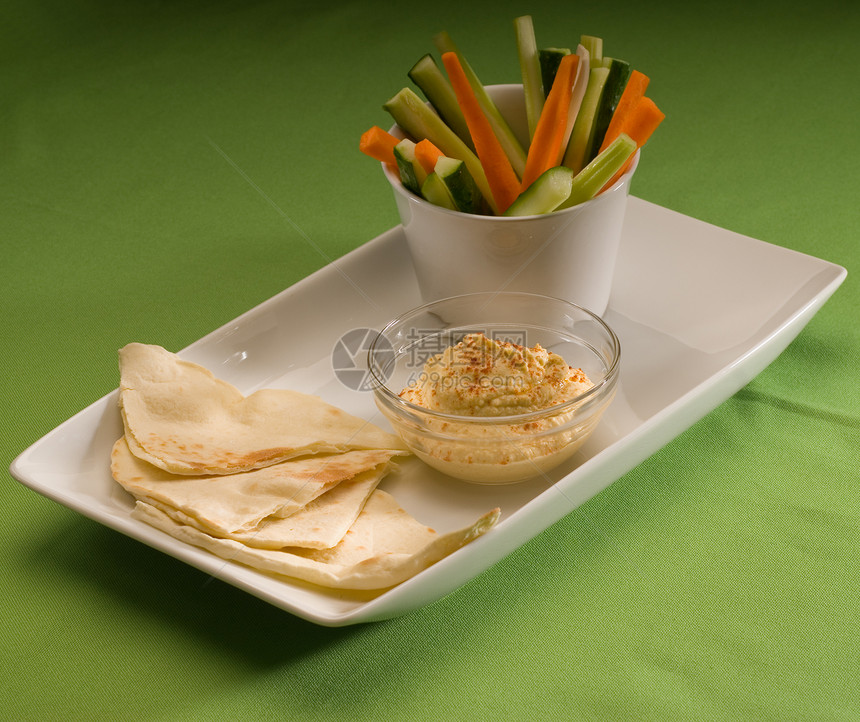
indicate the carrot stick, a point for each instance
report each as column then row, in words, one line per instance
column 427, row 154
column 503, row 181
column 637, row 83
column 639, row 124
column 642, row 121
column 546, row 147
column 379, row 144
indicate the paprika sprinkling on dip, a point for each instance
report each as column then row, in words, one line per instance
column 480, row 376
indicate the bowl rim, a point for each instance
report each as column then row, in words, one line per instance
column 382, row 390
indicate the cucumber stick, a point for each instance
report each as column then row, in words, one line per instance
column 530, row 70
column 460, row 184
column 550, row 59
column 412, row 173
column 559, row 187
column 591, row 179
column 512, row 147
column 436, row 192
column 583, row 128
column 616, row 80
column 417, row 120
column 548, row 192
column 427, row 75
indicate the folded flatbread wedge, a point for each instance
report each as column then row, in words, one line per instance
column 239, row 503
column 179, row 417
column 322, row 524
column 384, row 547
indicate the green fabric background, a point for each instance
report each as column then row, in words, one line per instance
column 149, row 153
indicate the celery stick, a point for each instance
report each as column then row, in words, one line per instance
column 427, row 75
column 583, row 128
column 594, row 46
column 550, row 59
column 512, row 147
column 591, row 179
column 530, row 70
column 417, row 120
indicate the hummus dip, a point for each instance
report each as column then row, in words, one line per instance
column 487, row 382
column 480, row 376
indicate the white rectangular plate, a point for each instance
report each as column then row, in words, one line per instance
column 699, row 311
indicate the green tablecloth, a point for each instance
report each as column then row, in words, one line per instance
column 162, row 166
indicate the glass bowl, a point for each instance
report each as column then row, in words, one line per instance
column 497, row 449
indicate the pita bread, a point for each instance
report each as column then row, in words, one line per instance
column 179, row 417
column 383, row 548
column 238, row 503
column 322, row 524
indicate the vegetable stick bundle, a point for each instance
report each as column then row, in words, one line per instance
column 587, row 116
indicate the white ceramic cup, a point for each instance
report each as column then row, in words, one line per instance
column 569, row 254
